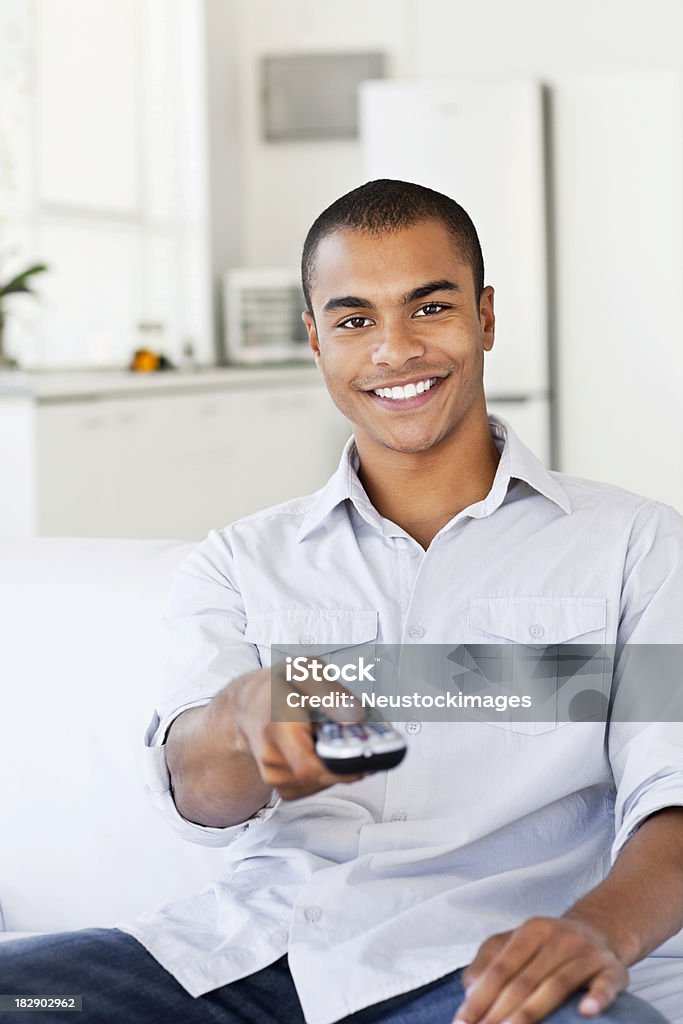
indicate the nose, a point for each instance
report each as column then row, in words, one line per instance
column 396, row 345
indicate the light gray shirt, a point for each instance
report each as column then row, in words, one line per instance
column 381, row 886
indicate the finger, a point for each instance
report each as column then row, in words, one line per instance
column 282, row 708
column 556, row 989
column 290, row 696
column 485, row 954
column 518, row 992
column 509, row 958
column 550, row 959
column 293, row 743
column 602, row 991
column 292, row 787
column 292, row 766
column 297, row 791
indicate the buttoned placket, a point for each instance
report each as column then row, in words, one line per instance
column 415, row 612
column 409, row 557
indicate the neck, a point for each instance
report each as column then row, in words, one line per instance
column 422, row 491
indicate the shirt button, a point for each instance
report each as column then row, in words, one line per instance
column 398, row 816
column 413, row 727
column 308, row 639
column 536, row 630
column 416, row 631
column 280, row 936
column 313, row 914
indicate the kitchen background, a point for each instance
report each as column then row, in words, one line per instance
column 164, row 159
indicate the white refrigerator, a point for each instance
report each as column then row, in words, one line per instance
column 481, row 141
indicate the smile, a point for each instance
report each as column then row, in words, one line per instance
column 407, row 396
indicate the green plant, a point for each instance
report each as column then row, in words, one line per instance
column 16, row 285
column 19, row 283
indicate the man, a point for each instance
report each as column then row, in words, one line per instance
column 473, row 881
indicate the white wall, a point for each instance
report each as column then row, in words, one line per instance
column 619, row 257
column 603, row 402
column 286, row 185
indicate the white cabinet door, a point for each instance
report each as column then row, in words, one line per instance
column 176, row 466
column 266, row 446
column 480, row 141
column 76, row 446
column 18, row 502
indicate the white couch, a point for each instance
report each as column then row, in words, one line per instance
column 81, row 661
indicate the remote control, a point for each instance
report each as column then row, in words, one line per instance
column 350, row 749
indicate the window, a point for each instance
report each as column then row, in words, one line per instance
column 104, row 175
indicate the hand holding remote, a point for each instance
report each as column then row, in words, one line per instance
column 226, row 757
column 277, row 738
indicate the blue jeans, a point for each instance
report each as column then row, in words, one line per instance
column 121, row 982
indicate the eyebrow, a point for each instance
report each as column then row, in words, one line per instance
column 347, row 302
column 427, row 289
column 421, row 292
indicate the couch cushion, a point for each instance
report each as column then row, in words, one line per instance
column 81, row 661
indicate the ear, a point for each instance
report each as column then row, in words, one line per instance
column 312, row 330
column 487, row 318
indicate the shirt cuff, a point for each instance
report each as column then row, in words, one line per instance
column 663, row 791
column 158, row 789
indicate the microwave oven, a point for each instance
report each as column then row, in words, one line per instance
column 262, row 316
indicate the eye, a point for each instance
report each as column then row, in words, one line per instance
column 354, row 323
column 430, row 309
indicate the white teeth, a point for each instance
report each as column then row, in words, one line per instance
column 409, row 391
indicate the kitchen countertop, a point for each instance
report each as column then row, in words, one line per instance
column 67, row 385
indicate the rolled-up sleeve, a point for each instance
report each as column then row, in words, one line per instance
column 205, row 622
column 646, row 728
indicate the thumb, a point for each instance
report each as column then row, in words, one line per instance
column 311, row 696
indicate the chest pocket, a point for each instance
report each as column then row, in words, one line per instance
column 555, row 654
column 335, row 634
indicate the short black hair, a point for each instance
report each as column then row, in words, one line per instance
column 386, row 205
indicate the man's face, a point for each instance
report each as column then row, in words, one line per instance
column 399, row 310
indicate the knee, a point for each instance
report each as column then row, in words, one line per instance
column 626, row 1009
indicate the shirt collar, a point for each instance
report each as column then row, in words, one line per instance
column 519, row 462
column 516, row 462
